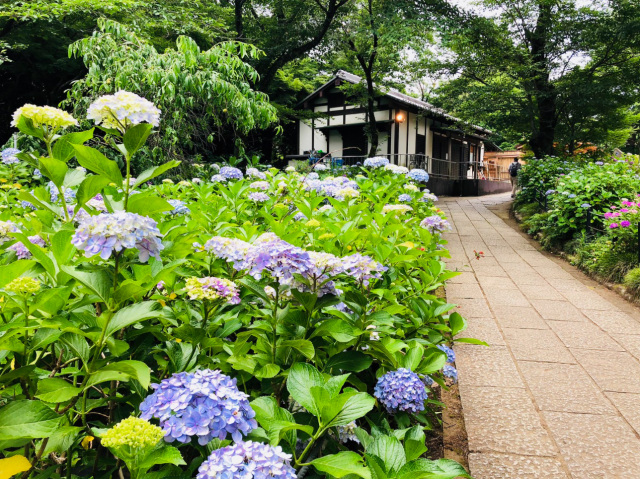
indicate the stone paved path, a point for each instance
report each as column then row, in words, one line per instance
column 557, row 394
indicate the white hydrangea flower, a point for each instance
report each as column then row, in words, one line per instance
column 123, row 110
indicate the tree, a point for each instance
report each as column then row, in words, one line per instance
column 200, row 92
column 530, row 56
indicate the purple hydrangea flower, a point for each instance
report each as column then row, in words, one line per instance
column 230, row 249
column 451, row 355
column 585, row 205
column 218, row 179
column 21, row 250
column 7, row 227
column 404, row 198
column 362, row 268
column 401, row 390
column 299, row 216
column 376, row 162
column 278, row 258
column 69, row 194
column 550, row 192
column 435, row 224
column 37, row 174
column 205, row 404
column 599, row 163
column 9, row 156
column 625, row 223
column 179, row 207
column 418, row 174
column 106, row 232
column 450, row 372
column 258, row 197
column 255, row 173
column 27, row 205
column 231, row 173
column 247, row 460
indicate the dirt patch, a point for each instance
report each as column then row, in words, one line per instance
column 454, row 437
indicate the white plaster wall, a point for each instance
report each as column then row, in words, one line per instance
column 429, row 149
column 335, row 143
column 305, row 137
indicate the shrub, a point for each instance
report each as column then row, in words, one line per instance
column 632, row 281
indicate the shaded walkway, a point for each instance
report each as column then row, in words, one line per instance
column 557, row 394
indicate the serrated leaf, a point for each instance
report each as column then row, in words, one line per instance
column 25, row 419
column 56, row 390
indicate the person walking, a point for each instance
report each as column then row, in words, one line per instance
column 513, row 175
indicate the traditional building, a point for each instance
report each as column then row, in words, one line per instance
column 412, row 132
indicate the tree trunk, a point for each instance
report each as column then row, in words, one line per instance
column 372, row 126
column 546, row 96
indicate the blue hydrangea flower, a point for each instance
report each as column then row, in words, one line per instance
column 418, row 174
column 37, row 174
column 230, row 249
column 599, row 163
column 550, row 192
column 206, row 404
column 69, row 194
column 401, row 390
column 278, row 258
column 9, row 156
column 247, row 460
column 106, row 232
column 451, row 373
column 218, row 179
column 299, row 216
column 585, row 205
column 572, row 195
column 428, row 196
column 27, row 205
column 179, row 207
column 313, row 176
column 376, row 162
column 258, row 197
column 231, row 173
column 404, row 198
column 451, row 355
column 435, row 224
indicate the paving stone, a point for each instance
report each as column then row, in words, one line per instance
column 588, row 300
column 564, row 388
column 611, row 370
column 596, row 447
column 570, row 285
column 537, row 345
column 518, row 317
column 484, row 329
column 614, row 322
column 464, row 278
column 504, row 420
column 506, row 298
column 490, row 465
column 629, row 406
column 583, row 335
column 542, row 291
column 629, row 342
column 463, row 291
column 522, row 277
column 490, row 367
column 553, row 272
column 558, row 310
column 490, row 283
column 473, row 308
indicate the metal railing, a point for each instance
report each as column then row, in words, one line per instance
column 438, row 168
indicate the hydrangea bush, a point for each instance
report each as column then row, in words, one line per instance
column 224, row 328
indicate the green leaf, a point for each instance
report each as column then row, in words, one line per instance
column 136, row 136
column 302, row 345
column 63, row 147
column 427, row 469
column 164, row 455
column 38, row 253
column 457, row 323
column 414, row 443
column 267, row 371
column 146, row 204
column 342, row 464
column 61, row 440
column 54, row 169
column 61, row 246
column 151, row 173
column 14, row 270
column 376, row 467
column 471, row 341
column 95, row 161
column 24, row 419
column 25, row 125
column 432, row 361
column 133, row 314
column 90, row 187
column 122, row 371
column 389, row 450
column 413, row 357
column 99, row 282
column 355, row 361
column 56, row 390
column 302, row 377
column 356, row 406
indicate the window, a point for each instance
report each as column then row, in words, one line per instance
column 336, row 100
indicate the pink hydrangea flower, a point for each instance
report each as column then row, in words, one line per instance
column 613, row 226
column 625, row 224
